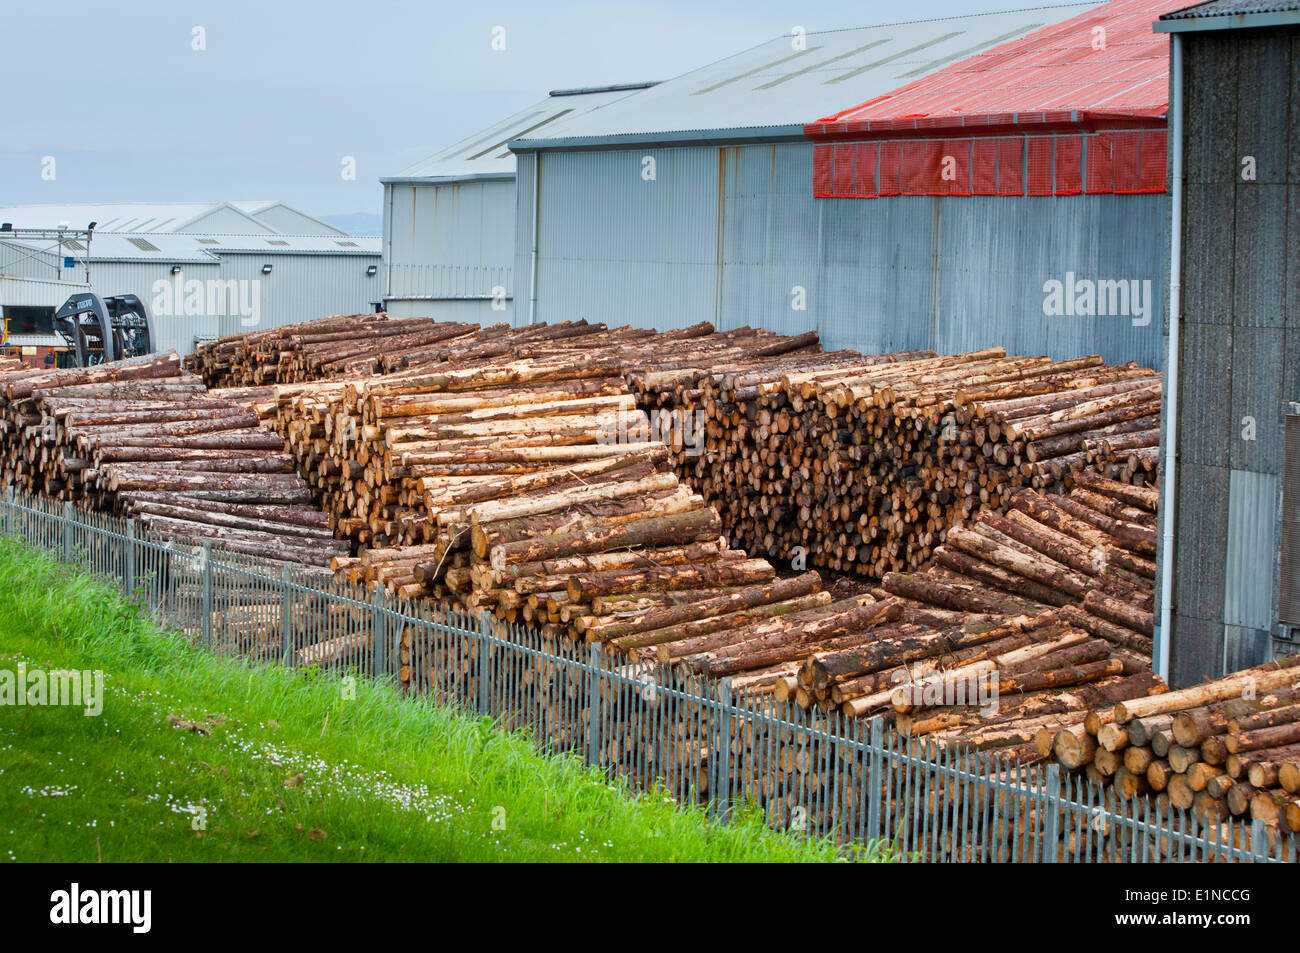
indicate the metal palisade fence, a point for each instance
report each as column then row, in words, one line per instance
column 870, row 789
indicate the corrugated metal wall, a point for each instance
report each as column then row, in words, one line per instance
column 616, row 245
column 22, row 262
column 733, row 235
column 176, row 330
column 1239, row 344
column 303, row 287
column 36, row 292
column 450, row 248
column 299, row 288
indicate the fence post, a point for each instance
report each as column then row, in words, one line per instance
column 875, row 783
column 720, row 793
column 484, row 663
column 207, row 592
column 68, row 514
column 1258, row 841
column 128, row 561
column 1052, row 818
column 377, row 627
column 286, row 616
column 9, row 509
column 593, row 703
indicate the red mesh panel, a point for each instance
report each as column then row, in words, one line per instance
column 842, row 171
column 864, row 178
column 1040, row 165
column 920, row 167
column 1101, row 163
column 1155, row 154
column 1011, row 168
column 822, row 172
column 954, row 168
column 1122, row 161
column 1126, row 153
column 984, row 162
column 1069, row 173
column 889, row 161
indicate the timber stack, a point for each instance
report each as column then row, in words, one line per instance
column 267, row 356
column 1043, row 611
column 863, row 464
column 528, row 486
column 532, row 486
column 1225, row 748
column 143, row 439
column 361, row 345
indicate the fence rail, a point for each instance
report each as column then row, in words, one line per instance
column 852, row 780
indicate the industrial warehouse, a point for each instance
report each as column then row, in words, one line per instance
column 892, row 431
column 204, row 270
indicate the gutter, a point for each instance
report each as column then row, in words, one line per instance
column 448, row 179
column 1168, row 474
column 678, row 137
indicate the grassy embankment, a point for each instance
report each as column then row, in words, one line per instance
column 269, row 764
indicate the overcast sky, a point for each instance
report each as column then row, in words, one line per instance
column 130, row 111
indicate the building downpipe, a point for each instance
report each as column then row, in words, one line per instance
column 1168, row 475
column 532, row 265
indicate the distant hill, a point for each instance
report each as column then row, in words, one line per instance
column 357, row 223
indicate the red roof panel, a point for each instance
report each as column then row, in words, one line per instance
column 1105, row 63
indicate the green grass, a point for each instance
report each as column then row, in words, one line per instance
column 290, row 768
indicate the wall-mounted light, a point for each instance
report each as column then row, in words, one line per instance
column 266, row 269
column 372, row 271
column 176, row 269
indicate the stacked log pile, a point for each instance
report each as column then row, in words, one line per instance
column 532, row 485
column 142, row 439
column 360, row 345
column 482, row 414
column 1225, row 748
column 262, row 357
column 487, row 478
column 1026, row 620
column 862, row 464
column 1043, row 613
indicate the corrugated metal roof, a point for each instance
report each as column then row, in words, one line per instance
column 775, row 87
column 485, row 154
column 1229, row 8
column 147, row 217
column 176, row 248
column 1106, row 61
column 154, row 218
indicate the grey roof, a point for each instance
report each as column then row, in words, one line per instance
column 174, row 248
column 1227, row 8
column 1230, row 15
column 156, row 218
column 773, row 89
column 484, row 154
